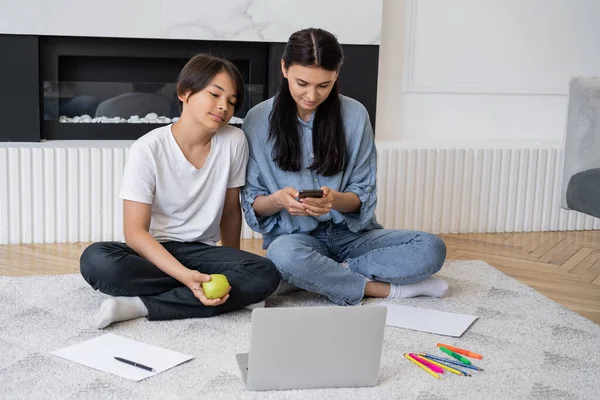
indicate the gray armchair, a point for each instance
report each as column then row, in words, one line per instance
column 581, row 162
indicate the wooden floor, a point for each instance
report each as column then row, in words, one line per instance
column 564, row 266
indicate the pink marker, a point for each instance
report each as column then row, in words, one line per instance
column 429, row 365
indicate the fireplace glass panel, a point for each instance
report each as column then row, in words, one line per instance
column 124, row 90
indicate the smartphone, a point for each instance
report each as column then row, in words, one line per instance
column 310, row 193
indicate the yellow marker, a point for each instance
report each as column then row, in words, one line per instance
column 447, row 368
column 430, row 372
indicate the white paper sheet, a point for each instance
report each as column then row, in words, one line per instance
column 432, row 321
column 99, row 353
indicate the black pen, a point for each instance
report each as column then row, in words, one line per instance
column 134, row 364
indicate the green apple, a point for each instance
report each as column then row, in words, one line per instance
column 217, row 286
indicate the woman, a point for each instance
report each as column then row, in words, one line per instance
column 180, row 194
column 308, row 136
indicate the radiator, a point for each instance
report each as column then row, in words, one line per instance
column 52, row 195
column 474, row 191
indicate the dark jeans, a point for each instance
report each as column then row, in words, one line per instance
column 117, row 270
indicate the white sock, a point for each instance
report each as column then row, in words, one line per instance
column 118, row 309
column 433, row 287
column 260, row 304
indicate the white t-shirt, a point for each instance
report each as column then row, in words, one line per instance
column 187, row 203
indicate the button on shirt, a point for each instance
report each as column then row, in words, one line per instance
column 264, row 177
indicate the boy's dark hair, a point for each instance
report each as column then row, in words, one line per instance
column 310, row 48
column 201, row 69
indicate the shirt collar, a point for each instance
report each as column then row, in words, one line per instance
column 308, row 123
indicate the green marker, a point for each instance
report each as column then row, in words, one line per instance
column 455, row 355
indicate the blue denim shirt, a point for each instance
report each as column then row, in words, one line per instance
column 264, row 177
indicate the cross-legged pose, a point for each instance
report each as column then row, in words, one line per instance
column 308, row 136
column 180, row 194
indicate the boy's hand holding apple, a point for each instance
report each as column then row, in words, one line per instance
column 211, row 290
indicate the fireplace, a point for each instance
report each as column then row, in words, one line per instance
column 74, row 88
column 89, row 83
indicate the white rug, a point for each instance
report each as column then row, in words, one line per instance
column 532, row 347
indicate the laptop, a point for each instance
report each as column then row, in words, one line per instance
column 313, row 347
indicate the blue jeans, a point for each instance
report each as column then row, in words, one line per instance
column 336, row 262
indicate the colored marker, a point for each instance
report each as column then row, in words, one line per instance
column 461, row 351
column 447, row 368
column 424, row 368
column 429, row 365
column 449, row 361
column 455, row 355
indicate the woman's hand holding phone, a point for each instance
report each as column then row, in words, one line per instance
column 286, row 198
column 318, row 206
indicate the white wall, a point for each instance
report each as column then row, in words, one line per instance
column 484, row 73
column 246, row 20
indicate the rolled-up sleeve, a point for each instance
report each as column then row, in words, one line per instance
column 255, row 187
column 362, row 180
column 254, row 127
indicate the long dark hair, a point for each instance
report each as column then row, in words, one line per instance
column 200, row 70
column 310, row 48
